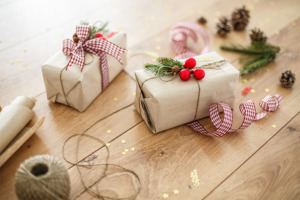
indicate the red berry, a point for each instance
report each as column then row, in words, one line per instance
column 99, row 35
column 199, row 74
column 190, row 63
column 184, row 74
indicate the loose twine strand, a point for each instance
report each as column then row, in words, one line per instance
column 104, row 174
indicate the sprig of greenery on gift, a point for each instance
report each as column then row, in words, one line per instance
column 258, row 54
column 96, row 29
column 166, row 67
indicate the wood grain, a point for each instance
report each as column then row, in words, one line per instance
column 164, row 161
column 271, row 173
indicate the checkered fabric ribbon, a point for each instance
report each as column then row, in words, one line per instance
column 269, row 104
column 97, row 46
column 179, row 35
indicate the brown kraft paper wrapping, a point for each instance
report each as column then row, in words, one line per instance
column 80, row 88
column 164, row 105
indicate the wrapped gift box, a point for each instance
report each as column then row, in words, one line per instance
column 167, row 104
column 73, row 87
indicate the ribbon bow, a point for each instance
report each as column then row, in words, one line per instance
column 179, row 35
column 97, row 46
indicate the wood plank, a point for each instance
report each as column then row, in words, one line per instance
column 62, row 121
column 271, row 173
column 164, row 161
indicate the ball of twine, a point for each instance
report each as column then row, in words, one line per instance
column 42, row 177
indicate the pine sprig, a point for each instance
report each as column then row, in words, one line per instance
column 258, row 54
column 94, row 29
column 164, row 68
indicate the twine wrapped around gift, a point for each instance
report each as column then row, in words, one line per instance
column 97, row 46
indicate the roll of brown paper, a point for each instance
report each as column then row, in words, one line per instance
column 14, row 117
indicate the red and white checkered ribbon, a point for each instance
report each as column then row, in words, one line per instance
column 179, row 35
column 269, row 103
column 97, row 46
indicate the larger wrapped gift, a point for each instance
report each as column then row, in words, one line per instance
column 167, row 104
column 75, row 85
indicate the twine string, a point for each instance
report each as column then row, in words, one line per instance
column 104, row 174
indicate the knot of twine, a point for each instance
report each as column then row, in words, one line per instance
column 178, row 39
column 42, row 177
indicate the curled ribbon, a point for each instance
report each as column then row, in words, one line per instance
column 97, row 46
column 269, row 103
column 179, row 35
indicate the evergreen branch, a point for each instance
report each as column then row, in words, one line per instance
column 253, row 65
column 158, row 70
column 94, row 29
column 258, row 55
column 169, row 62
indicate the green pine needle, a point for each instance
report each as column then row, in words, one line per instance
column 258, row 54
column 164, row 68
column 94, row 29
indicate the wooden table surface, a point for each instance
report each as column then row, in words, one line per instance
column 260, row 162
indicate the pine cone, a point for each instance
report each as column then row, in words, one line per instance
column 223, row 27
column 240, row 19
column 258, row 36
column 287, row 79
column 202, row 20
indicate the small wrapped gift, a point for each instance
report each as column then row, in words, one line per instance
column 85, row 67
column 166, row 103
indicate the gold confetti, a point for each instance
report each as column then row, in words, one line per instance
column 261, row 24
column 252, row 91
column 252, row 80
column 267, row 69
column 267, row 20
column 274, row 14
column 132, row 149
column 274, row 126
column 123, row 153
column 0, row 41
column 157, row 39
column 158, row 48
column 151, row 53
column 29, row 67
column 251, row 7
column 195, row 178
column 256, row 1
column 19, row 60
column 123, row 141
column 12, row 62
column 245, row 81
column 20, row 68
column 153, row 59
column 133, row 93
column 24, row 50
column 126, row 150
column 293, row 23
column 107, row 144
column 176, row 191
column 165, row 196
column 217, row 13
column 271, row 3
column 108, row 131
column 152, row 18
column 115, row 99
column 267, row 90
column 277, row 32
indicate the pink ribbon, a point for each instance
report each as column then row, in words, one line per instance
column 269, row 103
column 179, row 35
column 97, row 46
